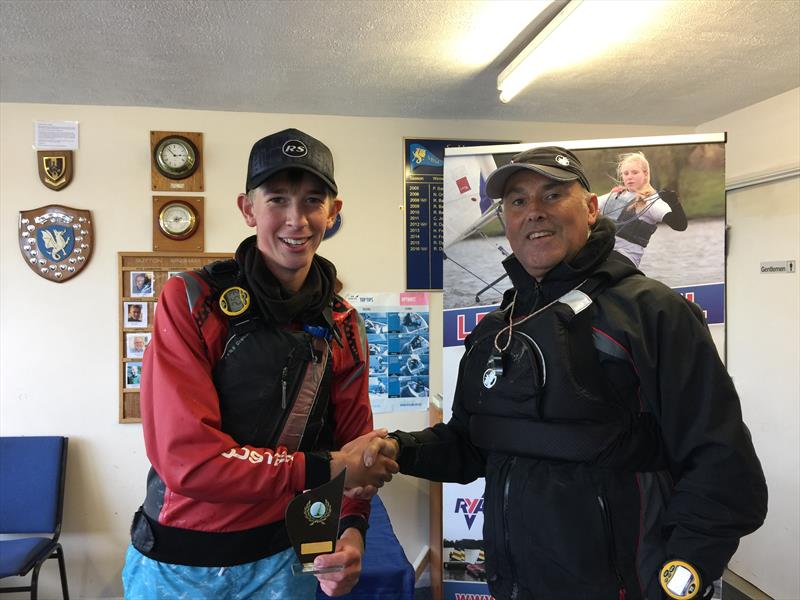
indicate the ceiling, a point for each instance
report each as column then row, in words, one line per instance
column 700, row 59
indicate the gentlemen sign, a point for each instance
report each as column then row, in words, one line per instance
column 779, row 266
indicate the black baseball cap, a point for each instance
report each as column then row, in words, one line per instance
column 289, row 149
column 554, row 162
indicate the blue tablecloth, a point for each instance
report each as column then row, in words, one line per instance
column 386, row 573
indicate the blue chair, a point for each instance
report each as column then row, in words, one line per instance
column 31, row 501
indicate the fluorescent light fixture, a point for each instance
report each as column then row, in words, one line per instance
column 491, row 28
column 580, row 31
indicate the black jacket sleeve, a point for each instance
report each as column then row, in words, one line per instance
column 677, row 217
column 442, row 452
column 720, row 493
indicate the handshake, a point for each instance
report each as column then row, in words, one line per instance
column 370, row 461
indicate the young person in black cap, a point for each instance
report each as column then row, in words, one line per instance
column 595, row 404
column 255, row 388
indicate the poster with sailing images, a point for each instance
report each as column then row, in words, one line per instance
column 396, row 326
column 686, row 177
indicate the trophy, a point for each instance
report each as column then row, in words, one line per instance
column 312, row 522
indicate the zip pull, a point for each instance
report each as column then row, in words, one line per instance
column 284, row 373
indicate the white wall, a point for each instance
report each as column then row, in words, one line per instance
column 764, row 326
column 58, row 342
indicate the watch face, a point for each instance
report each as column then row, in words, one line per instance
column 176, row 157
column 680, row 580
column 177, row 220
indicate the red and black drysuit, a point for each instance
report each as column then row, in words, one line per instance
column 215, row 394
column 609, row 433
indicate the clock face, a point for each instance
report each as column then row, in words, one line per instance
column 177, row 220
column 176, row 157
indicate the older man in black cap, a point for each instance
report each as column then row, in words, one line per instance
column 255, row 388
column 595, row 404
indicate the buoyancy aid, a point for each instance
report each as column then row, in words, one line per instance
column 630, row 226
column 538, row 389
column 273, row 386
column 273, row 383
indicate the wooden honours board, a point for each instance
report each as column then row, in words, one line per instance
column 141, row 277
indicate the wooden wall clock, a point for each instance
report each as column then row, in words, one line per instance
column 176, row 161
column 178, row 224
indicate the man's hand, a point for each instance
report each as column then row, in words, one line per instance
column 365, row 492
column 380, row 447
column 378, row 444
column 349, row 550
column 359, row 473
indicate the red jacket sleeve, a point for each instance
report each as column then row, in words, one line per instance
column 181, row 414
column 350, row 392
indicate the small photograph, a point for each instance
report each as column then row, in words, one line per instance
column 378, row 338
column 378, row 365
column 133, row 374
column 135, row 314
column 407, row 343
column 409, row 366
column 464, row 560
column 377, row 349
column 408, row 322
column 414, row 322
column 408, row 387
column 173, row 273
column 376, row 322
column 141, row 283
column 413, row 387
column 135, row 343
column 378, row 386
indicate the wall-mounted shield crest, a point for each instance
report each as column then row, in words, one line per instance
column 55, row 168
column 56, row 241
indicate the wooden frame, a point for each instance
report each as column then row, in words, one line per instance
column 160, row 264
column 435, row 559
column 194, row 242
column 193, row 183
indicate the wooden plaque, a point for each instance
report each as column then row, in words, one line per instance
column 194, row 242
column 160, row 183
column 137, row 311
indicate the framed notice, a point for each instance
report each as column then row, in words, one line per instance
column 424, row 185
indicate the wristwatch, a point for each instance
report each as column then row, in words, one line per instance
column 680, row 580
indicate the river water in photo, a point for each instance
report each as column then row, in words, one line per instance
column 677, row 258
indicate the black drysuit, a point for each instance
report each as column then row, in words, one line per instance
column 611, row 440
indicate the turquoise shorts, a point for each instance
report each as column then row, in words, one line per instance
column 267, row 579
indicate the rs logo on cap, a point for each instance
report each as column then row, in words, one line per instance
column 294, row 148
column 562, row 160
